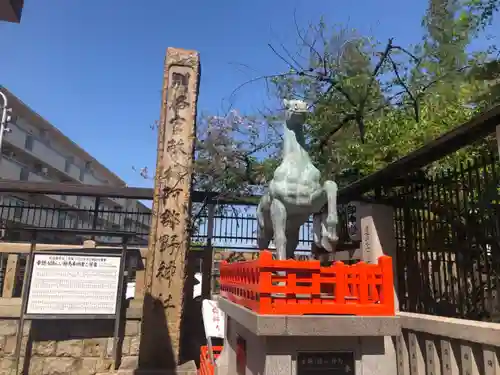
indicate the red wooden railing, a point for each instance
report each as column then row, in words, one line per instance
column 206, row 365
column 292, row 287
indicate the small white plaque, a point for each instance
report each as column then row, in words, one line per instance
column 63, row 284
column 213, row 319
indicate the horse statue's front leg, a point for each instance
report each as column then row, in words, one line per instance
column 325, row 222
column 264, row 222
column 332, row 219
column 278, row 218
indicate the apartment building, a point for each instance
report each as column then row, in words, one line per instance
column 11, row 10
column 35, row 150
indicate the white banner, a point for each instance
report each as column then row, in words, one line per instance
column 213, row 319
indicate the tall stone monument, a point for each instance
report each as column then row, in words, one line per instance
column 295, row 193
column 169, row 236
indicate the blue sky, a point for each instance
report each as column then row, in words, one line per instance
column 93, row 68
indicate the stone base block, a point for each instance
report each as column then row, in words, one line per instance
column 311, row 325
column 279, row 344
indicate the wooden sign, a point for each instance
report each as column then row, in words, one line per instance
column 323, row 363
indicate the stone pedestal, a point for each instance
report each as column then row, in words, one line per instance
column 274, row 344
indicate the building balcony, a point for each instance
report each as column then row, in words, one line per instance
column 19, row 138
column 120, row 201
column 16, row 136
column 90, row 179
column 47, row 155
column 64, row 199
column 11, row 10
column 9, row 169
column 43, row 152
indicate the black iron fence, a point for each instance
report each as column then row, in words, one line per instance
column 51, row 216
column 446, row 223
column 447, row 231
column 16, row 216
column 235, row 227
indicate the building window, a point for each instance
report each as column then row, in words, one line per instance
column 75, row 221
column 61, row 220
column 18, row 210
column 82, row 174
column 37, row 168
column 18, row 213
column 67, row 164
column 28, row 142
column 8, row 153
column 128, row 223
column 78, row 201
column 63, row 197
column 24, row 174
column 15, row 236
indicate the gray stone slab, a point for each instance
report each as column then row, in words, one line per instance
column 485, row 333
column 188, row 368
column 261, row 325
column 340, row 325
column 306, row 325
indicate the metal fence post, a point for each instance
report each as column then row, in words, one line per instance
column 206, row 278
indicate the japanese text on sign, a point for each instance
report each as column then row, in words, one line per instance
column 331, row 363
column 353, row 221
column 64, row 284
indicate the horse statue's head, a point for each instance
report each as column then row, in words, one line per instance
column 295, row 112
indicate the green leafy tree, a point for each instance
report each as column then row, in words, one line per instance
column 373, row 103
column 479, row 13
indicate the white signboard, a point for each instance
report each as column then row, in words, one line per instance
column 63, row 284
column 213, row 319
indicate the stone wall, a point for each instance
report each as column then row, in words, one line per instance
column 83, row 347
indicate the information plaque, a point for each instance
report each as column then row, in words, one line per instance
column 323, row 363
column 73, row 284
